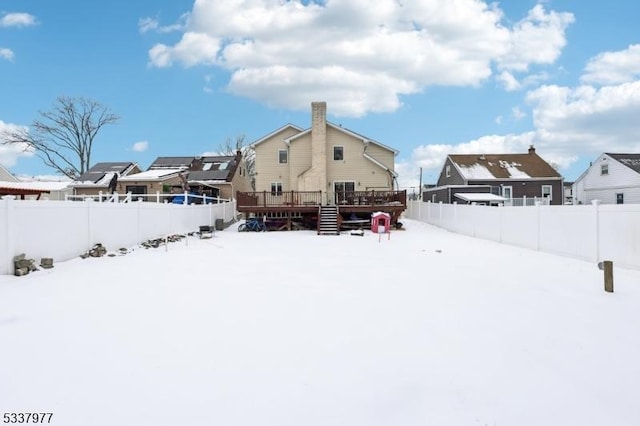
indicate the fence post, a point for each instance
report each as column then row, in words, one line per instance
column 608, row 276
column 500, row 210
column 596, row 206
column 455, row 216
column 524, row 201
column 9, row 231
column 89, row 202
column 538, row 226
column 138, row 233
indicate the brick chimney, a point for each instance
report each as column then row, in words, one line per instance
column 532, row 150
column 316, row 176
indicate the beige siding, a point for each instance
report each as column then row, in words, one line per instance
column 299, row 162
column 268, row 169
column 91, row 191
column 355, row 167
column 152, row 186
column 6, row 176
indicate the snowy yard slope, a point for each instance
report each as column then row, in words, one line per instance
column 291, row 328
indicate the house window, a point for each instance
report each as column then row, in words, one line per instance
column 276, row 188
column 620, row 198
column 507, row 192
column 604, row 169
column 546, row 191
column 448, row 170
column 282, row 156
column 136, row 189
column 338, row 153
column 344, row 186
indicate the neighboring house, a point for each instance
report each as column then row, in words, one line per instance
column 568, row 192
column 6, row 176
column 219, row 176
column 297, row 170
column 97, row 179
column 152, row 181
column 507, row 177
column 611, row 179
column 214, row 176
column 35, row 190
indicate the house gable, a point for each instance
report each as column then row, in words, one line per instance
column 268, row 168
column 321, row 155
column 6, row 176
column 609, row 175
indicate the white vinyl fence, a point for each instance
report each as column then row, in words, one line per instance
column 590, row 232
column 65, row 229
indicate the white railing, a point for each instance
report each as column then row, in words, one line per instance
column 524, row 201
column 589, row 232
column 158, row 197
column 63, row 230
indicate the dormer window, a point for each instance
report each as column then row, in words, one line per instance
column 604, row 169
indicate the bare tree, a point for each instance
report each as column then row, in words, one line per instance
column 230, row 147
column 63, row 138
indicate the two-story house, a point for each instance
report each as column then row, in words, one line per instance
column 497, row 178
column 297, row 169
column 611, row 179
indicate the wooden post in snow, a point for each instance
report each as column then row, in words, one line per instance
column 607, row 267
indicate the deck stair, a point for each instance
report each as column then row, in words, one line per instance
column 328, row 220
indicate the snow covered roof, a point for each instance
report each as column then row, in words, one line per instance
column 101, row 173
column 155, row 174
column 34, row 186
column 630, row 160
column 473, row 197
column 503, row 166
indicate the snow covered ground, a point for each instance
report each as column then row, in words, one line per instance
column 291, row 328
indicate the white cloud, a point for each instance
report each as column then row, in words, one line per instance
column 193, row 49
column 588, row 119
column 9, row 154
column 17, row 20
column 358, row 55
column 614, row 67
column 140, row 146
column 537, row 39
column 6, row 54
column 152, row 24
column 569, row 123
column 508, row 81
column 517, row 113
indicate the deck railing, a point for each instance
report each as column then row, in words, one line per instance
column 315, row 198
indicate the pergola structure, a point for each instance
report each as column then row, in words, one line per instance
column 21, row 189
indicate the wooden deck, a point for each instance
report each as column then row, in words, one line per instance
column 295, row 207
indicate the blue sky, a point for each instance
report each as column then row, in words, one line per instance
column 427, row 77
